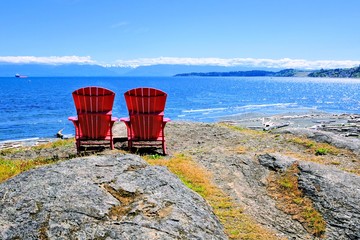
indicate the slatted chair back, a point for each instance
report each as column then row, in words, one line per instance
column 93, row 100
column 145, row 100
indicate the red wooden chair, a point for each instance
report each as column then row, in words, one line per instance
column 146, row 122
column 94, row 121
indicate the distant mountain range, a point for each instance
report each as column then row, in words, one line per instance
column 87, row 70
column 92, row 70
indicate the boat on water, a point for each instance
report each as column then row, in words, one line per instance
column 20, row 76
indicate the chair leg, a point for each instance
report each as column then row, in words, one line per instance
column 130, row 145
column 164, row 147
column 111, row 144
column 78, row 145
column 163, row 140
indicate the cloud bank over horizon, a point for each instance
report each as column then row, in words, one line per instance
column 242, row 62
column 46, row 60
column 225, row 62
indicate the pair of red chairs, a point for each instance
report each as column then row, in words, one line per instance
column 94, row 121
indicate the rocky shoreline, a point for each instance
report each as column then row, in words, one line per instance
column 343, row 124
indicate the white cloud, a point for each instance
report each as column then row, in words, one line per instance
column 227, row 62
column 252, row 62
column 47, row 60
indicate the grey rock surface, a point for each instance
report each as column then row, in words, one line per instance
column 335, row 194
column 352, row 144
column 104, row 197
column 239, row 175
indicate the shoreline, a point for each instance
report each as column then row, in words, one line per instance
column 312, row 120
column 347, row 124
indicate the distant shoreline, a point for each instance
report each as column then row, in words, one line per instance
column 329, row 73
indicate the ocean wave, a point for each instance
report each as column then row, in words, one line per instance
column 245, row 107
column 258, row 106
column 203, row 110
column 19, row 140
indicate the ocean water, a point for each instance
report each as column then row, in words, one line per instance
column 39, row 107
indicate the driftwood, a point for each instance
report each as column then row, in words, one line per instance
column 347, row 129
column 269, row 125
column 59, row 134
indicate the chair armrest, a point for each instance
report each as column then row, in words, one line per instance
column 73, row 119
column 165, row 120
column 114, row 119
column 125, row 119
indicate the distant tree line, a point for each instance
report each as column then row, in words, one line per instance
column 330, row 73
column 337, row 73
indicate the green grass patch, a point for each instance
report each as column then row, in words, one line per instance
column 155, row 156
column 316, row 148
column 321, row 151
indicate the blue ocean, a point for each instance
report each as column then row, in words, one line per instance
column 39, row 107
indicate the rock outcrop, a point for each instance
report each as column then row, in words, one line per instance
column 103, row 197
column 352, row 144
column 335, row 194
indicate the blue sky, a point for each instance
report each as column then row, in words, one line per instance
column 303, row 33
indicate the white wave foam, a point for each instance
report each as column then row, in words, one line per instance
column 246, row 107
column 203, row 110
column 257, row 106
column 20, row 140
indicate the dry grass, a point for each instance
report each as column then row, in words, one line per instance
column 315, row 147
column 59, row 143
column 241, row 149
column 12, row 167
column 237, row 225
column 283, row 187
column 298, row 147
column 245, row 131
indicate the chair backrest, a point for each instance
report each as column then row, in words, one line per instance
column 145, row 100
column 94, row 109
column 93, row 100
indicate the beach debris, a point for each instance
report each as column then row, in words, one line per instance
column 27, row 142
column 269, row 125
column 59, row 134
